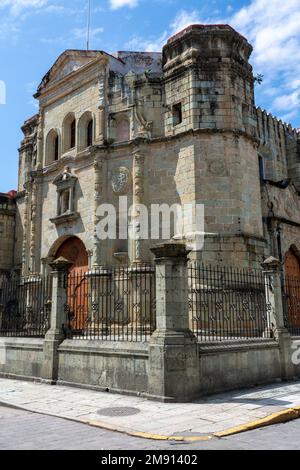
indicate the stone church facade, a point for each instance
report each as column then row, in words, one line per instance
column 179, row 126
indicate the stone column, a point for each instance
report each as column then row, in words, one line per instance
column 102, row 126
column 33, row 227
column 275, row 308
column 97, row 259
column 40, row 141
column 173, row 350
column 26, row 217
column 56, row 333
column 101, row 136
column 138, row 193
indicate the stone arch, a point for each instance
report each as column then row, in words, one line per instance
column 53, row 146
column 73, row 249
column 69, row 132
column 85, row 123
column 292, row 287
column 292, row 258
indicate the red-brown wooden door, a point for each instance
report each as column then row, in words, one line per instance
column 292, row 287
column 74, row 251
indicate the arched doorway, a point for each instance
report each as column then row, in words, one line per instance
column 292, row 288
column 74, row 251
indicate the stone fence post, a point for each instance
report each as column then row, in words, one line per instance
column 173, row 350
column 272, row 272
column 55, row 334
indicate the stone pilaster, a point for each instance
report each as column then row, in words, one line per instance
column 33, row 227
column 138, row 193
column 97, row 258
column 26, row 220
column 173, row 349
column 101, row 134
column 56, row 333
column 40, row 141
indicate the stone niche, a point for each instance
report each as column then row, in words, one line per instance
column 65, row 184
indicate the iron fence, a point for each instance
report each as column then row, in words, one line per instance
column 291, row 304
column 113, row 304
column 25, row 306
column 227, row 303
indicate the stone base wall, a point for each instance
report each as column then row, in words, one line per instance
column 21, row 357
column 111, row 366
column 124, row 367
column 232, row 366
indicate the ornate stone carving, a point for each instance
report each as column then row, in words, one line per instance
column 98, row 194
column 120, row 180
column 138, row 192
column 217, row 168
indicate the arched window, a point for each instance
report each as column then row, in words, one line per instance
column 73, row 134
column 52, row 151
column 89, row 139
column 56, row 143
column 85, row 133
column 69, row 132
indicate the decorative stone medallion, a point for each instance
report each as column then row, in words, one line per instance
column 217, row 168
column 120, row 180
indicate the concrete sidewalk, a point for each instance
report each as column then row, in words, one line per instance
column 138, row 416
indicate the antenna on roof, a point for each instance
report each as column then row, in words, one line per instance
column 88, row 26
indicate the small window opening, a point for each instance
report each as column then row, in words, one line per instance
column 177, row 114
column 56, row 141
column 90, row 133
column 73, row 134
column 261, row 168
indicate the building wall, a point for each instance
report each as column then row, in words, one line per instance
column 210, row 158
column 7, row 232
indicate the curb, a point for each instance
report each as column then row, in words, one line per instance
column 275, row 418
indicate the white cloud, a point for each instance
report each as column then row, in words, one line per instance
column 273, row 28
column 116, row 4
column 181, row 20
column 151, row 45
column 18, row 6
column 184, row 19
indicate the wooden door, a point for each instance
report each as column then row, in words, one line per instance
column 74, row 251
column 292, row 288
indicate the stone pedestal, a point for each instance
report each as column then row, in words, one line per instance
column 173, row 351
column 272, row 271
column 56, row 333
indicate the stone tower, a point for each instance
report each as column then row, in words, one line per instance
column 209, row 88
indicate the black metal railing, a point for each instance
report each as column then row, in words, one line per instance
column 25, row 306
column 291, row 304
column 227, row 303
column 113, row 304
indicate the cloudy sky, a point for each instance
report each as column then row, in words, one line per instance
column 34, row 32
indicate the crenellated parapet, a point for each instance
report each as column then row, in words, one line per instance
column 279, row 147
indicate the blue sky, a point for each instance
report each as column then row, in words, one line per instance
column 34, row 32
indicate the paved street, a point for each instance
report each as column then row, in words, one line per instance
column 25, row 430
column 136, row 414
